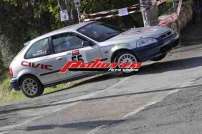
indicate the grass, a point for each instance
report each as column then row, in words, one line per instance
column 7, row 95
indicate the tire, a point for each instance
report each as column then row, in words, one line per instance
column 160, row 57
column 131, row 57
column 31, row 86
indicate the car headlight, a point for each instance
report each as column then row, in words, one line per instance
column 146, row 41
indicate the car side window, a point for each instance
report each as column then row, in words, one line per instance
column 38, row 49
column 66, row 42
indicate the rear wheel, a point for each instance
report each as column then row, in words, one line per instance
column 31, row 86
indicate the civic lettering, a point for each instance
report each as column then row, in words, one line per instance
column 36, row 65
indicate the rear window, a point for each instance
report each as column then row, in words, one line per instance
column 38, row 49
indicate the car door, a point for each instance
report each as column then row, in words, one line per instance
column 89, row 50
column 70, row 46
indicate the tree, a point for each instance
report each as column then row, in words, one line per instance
column 22, row 20
column 92, row 6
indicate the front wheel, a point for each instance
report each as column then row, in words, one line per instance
column 31, row 87
column 126, row 57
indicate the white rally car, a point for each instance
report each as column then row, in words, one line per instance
column 37, row 65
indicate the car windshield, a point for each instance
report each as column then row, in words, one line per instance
column 99, row 31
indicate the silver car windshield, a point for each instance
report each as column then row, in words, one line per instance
column 99, row 31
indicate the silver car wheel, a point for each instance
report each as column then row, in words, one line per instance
column 127, row 58
column 30, row 86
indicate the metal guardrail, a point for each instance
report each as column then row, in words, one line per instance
column 113, row 13
column 110, row 13
column 160, row 2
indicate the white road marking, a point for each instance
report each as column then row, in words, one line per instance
column 183, row 85
column 3, row 132
column 186, row 84
column 139, row 110
column 93, row 131
column 149, row 104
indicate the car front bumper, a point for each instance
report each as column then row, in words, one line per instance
column 15, row 84
column 163, row 46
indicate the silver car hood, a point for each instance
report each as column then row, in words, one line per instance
column 137, row 33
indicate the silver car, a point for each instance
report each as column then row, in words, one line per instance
column 37, row 65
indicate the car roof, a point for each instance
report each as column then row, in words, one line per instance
column 70, row 28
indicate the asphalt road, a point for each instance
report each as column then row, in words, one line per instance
column 164, row 97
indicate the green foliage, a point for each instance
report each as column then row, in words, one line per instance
column 21, row 20
column 6, row 95
column 166, row 8
column 91, row 6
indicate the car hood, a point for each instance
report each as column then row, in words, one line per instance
column 137, row 33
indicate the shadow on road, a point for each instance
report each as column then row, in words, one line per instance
column 79, row 125
column 104, row 77
column 173, row 65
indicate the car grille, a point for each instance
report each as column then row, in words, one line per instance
column 165, row 36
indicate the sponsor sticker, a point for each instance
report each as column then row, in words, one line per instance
column 99, row 65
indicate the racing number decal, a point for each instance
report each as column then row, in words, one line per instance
column 76, row 56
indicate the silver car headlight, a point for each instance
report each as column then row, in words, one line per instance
column 145, row 41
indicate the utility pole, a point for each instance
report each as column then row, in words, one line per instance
column 144, row 13
column 77, row 4
column 59, row 4
column 78, row 14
